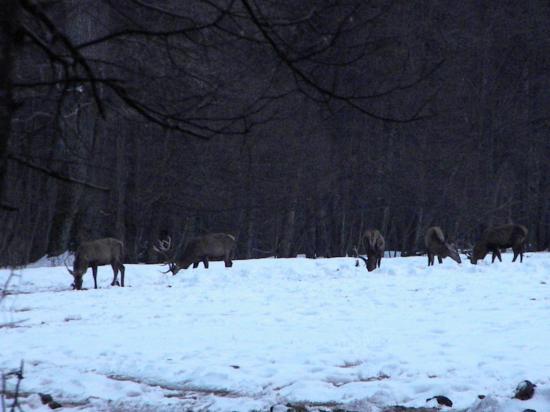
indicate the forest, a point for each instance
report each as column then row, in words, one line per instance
column 295, row 126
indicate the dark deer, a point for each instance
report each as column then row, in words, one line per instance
column 107, row 251
column 438, row 246
column 375, row 249
column 200, row 249
column 500, row 237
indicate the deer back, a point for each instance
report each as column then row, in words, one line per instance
column 434, row 238
column 505, row 235
column 99, row 252
column 375, row 241
column 211, row 245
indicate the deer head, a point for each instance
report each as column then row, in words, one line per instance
column 163, row 247
column 76, row 273
column 453, row 252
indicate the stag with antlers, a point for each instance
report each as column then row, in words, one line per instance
column 375, row 246
column 200, row 249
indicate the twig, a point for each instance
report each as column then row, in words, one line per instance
column 4, row 291
column 2, row 396
column 15, row 404
column 19, row 375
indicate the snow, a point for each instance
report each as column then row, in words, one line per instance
column 274, row 331
column 50, row 261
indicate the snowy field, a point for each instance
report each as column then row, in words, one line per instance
column 276, row 331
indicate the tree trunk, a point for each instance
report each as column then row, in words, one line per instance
column 8, row 21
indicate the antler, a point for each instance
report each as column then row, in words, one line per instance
column 70, row 271
column 163, row 246
column 469, row 250
column 357, row 255
column 67, row 266
column 171, row 267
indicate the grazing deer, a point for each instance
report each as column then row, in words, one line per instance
column 437, row 246
column 500, row 237
column 107, row 251
column 375, row 249
column 200, row 249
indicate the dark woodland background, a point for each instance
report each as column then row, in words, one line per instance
column 294, row 125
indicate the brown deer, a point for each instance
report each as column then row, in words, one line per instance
column 438, row 246
column 500, row 237
column 375, row 249
column 107, row 251
column 200, row 249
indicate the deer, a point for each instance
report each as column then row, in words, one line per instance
column 436, row 245
column 375, row 249
column 500, row 237
column 99, row 252
column 199, row 249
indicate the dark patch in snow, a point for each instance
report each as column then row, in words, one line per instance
column 45, row 398
column 442, row 400
column 525, row 390
column 54, row 405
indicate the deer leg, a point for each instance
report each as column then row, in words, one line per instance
column 227, row 260
column 195, row 265
column 439, row 259
column 518, row 251
column 494, row 256
column 115, row 273
column 205, row 262
column 94, row 273
column 429, row 259
column 379, row 260
column 122, row 270
column 498, row 255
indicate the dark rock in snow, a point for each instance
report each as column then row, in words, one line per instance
column 296, row 408
column 442, row 400
column 525, row 390
column 45, row 398
column 54, row 405
column 529, row 410
column 481, row 396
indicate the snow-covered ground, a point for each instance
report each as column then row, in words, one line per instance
column 274, row 331
column 66, row 258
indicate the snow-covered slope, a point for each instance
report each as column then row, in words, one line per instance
column 284, row 330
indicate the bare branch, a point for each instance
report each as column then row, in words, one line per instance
column 55, row 174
